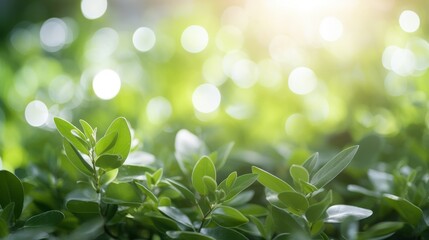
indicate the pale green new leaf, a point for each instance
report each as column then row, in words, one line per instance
column 270, row 181
column 204, row 167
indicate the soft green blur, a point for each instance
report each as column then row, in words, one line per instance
column 300, row 75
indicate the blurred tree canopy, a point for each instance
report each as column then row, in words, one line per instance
column 267, row 73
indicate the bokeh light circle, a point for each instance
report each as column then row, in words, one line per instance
column 195, row 39
column 93, row 9
column 106, row 84
column 302, row 80
column 158, row 110
column 144, row 39
column 53, row 34
column 206, row 98
column 409, row 21
column 36, row 113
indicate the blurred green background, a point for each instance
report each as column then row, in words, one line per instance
column 290, row 76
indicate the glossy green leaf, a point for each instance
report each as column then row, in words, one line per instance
column 221, row 233
column 89, row 132
column 259, row 225
column 299, row 173
column 76, row 159
column 251, row 209
column 204, row 167
column 311, row 164
column 333, row 167
column 223, row 154
column 109, row 161
column 186, row 193
column 381, row 230
column 339, row 213
column 83, row 201
column 108, row 177
column 176, row 215
column 230, row 180
column 295, row 202
column 146, row 191
column 307, row 187
column 106, row 143
column 122, row 193
column 228, row 217
column 210, row 184
column 128, row 173
column 184, row 235
column 69, row 132
column 284, row 222
column 162, row 224
column 407, row 210
column 11, row 190
column 316, row 211
column 45, row 219
column 270, row 181
column 156, row 176
column 122, row 145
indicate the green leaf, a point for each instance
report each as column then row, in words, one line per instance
column 4, row 228
column 184, row 235
column 230, row 180
column 210, row 184
column 11, row 191
column 381, row 230
column 407, row 210
column 307, row 187
column 299, row 174
column 241, row 183
column 122, row 194
column 228, row 217
column 108, row 177
column 128, row 173
column 316, row 211
column 45, row 219
column 270, row 181
column 259, row 225
column 122, row 145
column 284, row 222
column 161, row 223
column 188, row 148
column 221, row 233
column 295, row 202
column 83, row 201
column 7, row 213
column 108, row 161
column 176, row 215
column 72, row 134
column 339, row 213
column 76, row 159
column 252, row 209
column 156, row 176
column 146, row 192
column 223, row 154
column 186, row 193
column 89, row 132
column 311, row 164
column 106, row 143
column 333, row 167
column 204, row 167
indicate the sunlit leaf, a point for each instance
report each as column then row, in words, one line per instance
column 407, row 210
column 316, row 211
column 228, row 217
column 76, row 158
column 11, row 191
column 339, row 213
column 122, row 193
column 333, row 167
column 311, row 164
column 108, row 161
column 295, row 202
column 69, row 132
column 146, row 191
column 204, row 167
column 122, row 145
column 106, row 143
column 270, row 181
column 188, row 148
column 45, row 219
column 176, row 215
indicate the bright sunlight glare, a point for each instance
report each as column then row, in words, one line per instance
column 409, row 21
column 331, row 29
column 194, row 39
column 36, row 113
column 106, row 84
column 206, row 98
